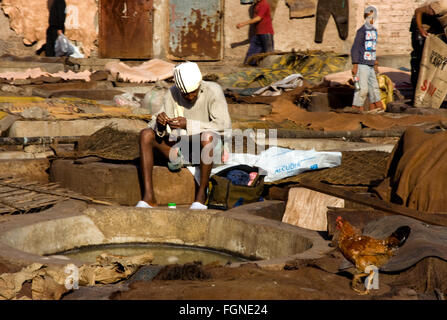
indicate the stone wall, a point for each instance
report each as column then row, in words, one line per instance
column 11, row 42
column 394, row 22
column 298, row 34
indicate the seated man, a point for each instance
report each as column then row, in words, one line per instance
column 193, row 110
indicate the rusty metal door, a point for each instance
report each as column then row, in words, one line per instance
column 125, row 29
column 195, row 29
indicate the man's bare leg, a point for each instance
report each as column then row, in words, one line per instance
column 148, row 142
column 205, row 166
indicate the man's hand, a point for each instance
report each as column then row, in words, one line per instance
column 418, row 13
column 376, row 67
column 355, row 68
column 423, row 32
column 177, row 123
column 251, row 21
column 162, row 119
column 59, row 32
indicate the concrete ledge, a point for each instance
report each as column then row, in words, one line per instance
column 24, row 239
column 120, row 183
column 62, row 128
column 329, row 145
column 29, row 169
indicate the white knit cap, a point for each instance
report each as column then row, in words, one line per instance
column 187, row 76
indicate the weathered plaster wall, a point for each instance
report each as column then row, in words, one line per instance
column 11, row 42
column 29, row 19
column 161, row 28
column 298, row 34
column 394, row 22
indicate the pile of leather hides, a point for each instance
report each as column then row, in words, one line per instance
column 149, row 71
column 417, row 172
column 401, row 79
column 284, row 109
column 37, row 72
column 51, row 282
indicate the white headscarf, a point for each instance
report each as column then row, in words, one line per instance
column 187, row 77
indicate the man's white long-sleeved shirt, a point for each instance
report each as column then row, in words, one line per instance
column 209, row 112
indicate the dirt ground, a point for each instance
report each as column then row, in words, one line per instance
column 304, row 280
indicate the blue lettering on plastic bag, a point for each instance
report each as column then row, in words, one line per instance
column 295, row 165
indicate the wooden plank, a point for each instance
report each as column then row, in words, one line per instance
column 66, row 194
column 35, row 205
column 6, row 209
column 431, row 218
column 24, row 196
column 14, row 141
column 13, row 193
column 308, row 209
column 9, row 204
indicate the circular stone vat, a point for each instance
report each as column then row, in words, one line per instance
column 163, row 253
column 32, row 238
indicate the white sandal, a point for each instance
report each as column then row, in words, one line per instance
column 143, row 204
column 198, row 206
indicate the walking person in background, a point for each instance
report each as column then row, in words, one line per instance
column 56, row 24
column 429, row 18
column 262, row 41
column 364, row 64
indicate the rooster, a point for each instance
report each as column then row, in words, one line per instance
column 364, row 251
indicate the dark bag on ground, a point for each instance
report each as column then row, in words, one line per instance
column 224, row 194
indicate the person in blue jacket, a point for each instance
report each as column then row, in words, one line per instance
column 365, row 66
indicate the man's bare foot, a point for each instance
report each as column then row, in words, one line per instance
column 200, row 197
column 152, row 203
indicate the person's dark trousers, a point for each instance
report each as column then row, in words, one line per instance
column 417, row 43
column 340, row 10
column 259, row 43
column 51, row 41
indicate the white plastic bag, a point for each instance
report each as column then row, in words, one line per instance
column 63, row 47
column 277, row 88
column 127, row 99
column 77, row 53
column 153, row 99
column 281, row 163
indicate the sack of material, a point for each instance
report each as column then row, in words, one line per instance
column 278, row 163
column 386, row 87
column 431, row 88
column 224, row 194
column 281, row 163
column 63, row 47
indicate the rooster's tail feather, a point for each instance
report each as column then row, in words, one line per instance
column 398, row 237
